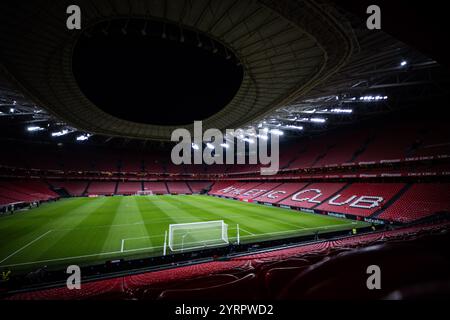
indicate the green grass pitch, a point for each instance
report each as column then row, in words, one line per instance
column 87, row 230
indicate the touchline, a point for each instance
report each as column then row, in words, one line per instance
column 232, row 147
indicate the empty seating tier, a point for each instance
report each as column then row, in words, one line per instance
column 361, row 199
column 419, row 201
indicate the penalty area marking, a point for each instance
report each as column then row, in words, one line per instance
column 297, row 230
column 122, row 244
column 26, row 246
column 140, row 249
column 79, row 257
column 246, row 231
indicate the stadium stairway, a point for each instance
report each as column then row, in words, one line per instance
column 62, row 192
column 116, row 187
column 85, row 192
column 189, row 188
column 361, row 150
column 391, row 201
column 346, row 186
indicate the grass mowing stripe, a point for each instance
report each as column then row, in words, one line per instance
column 41, row 221
column 83, row 241
column 282, row 211
column 89, row 230
column 264, row 213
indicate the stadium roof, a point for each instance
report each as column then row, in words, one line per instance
column 298, row 64
column 285, row 48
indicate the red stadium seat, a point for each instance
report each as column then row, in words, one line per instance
column 281, row 192
column 362, row 199
column 420, row 201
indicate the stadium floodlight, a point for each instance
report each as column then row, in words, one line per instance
column 373, row 98
column 34, row 128
column 338, row 110
column 403, row 63
column 210, row 145
column 263, row 137
column 225, row 145
column 195, row 146
column 294, row 127
column 60, row 133
column 277, row 132
column 12, row 110
column 84, row 137
column 318, row 120
column 197, row 235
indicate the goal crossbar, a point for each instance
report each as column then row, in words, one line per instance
column 144, row 193
column 197, row 235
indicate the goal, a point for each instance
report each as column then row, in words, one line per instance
column 197, row 235
column 144, row 193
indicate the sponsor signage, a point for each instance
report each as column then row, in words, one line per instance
column 337, row 215
column 376, row 221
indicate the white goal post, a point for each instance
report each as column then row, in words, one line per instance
column 197, row 235
column 144, row 193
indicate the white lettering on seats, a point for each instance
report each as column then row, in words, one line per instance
column 309, row 199
column 253, row 192
column 228, row 189
column 370, row 202
column 275, row 194
column 334, row 203
column 236, row 192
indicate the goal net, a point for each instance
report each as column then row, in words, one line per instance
column 197, row 235
column 144, row 193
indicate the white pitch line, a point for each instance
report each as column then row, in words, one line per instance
column 25, row 246
column 246, row 231
column 123, row 243
column 145, row 237
column 139, row 249
column 295, row 230
column 79, row 257
column 62, row 259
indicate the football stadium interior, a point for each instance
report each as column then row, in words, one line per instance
column 87, row 175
